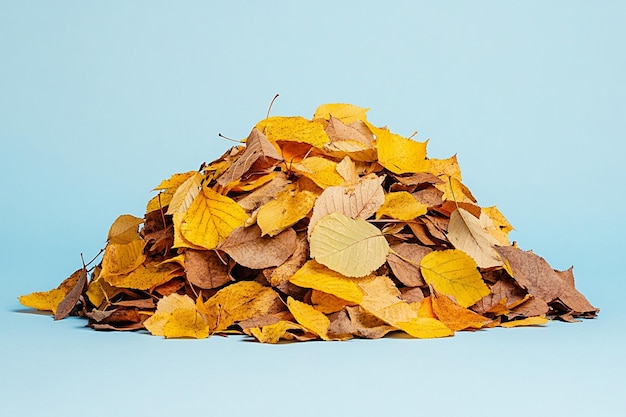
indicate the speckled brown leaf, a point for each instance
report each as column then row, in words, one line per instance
column 205, row 269
column 248, row 248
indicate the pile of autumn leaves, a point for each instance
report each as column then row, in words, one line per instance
column 329, row 228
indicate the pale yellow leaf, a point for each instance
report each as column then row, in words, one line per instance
column 352, row 247
column 466, row 233
column 185, row 194
column 273, row 333
column 168, row 188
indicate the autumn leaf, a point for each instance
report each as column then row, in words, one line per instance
column 310, row 318
column 401, row 205
column 358, row 202
column 352, row 247
column 177, row 316
column 398, row 154
column 287, row 208
column 316, row 276
column 249, row 248
column 453, row 272
column 321, row 171
column 210, row 219
column 49, row 300
column 185, row 194
column 466, row 233
column 347, row 113
column 293, row 129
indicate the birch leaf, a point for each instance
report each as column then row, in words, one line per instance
column 401, row 205
column 352, row 247
column 177, row 316
column 453, row 272
column 185, row 194
column 210, row 219
column 466, row 233
column 309, row 317
column 347, row 113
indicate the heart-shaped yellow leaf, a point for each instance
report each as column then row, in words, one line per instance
column 352, row 247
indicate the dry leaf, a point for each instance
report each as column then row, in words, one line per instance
column 351, row 247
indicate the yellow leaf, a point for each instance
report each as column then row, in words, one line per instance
column 382, row 300
column 313, row 320
column 352, row 247
column 124, row 250
column 239, row 301
column 529, row 321
column 145, row 276
column 347, row 113
column 454, row 190
column 401, row 205
column 124, row 229
column 273, row 333
column 466, row 233
column 425, row 328
column 454, row 273
column 316, row 276
column 499, row 227
column 49, row 300
column 293, row 129
column 210, row 219
column 321, row 171
column 185, row 194
column 177, row 316
column 179, row 239
column 122, row 258
column 289, row 207
column 445, row 168
column 398, row 154
column 169, row 187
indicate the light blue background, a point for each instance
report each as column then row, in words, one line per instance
column 99, row 101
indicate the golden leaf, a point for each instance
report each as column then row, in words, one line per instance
column 316, row 276
column 289, row 206
column 401, row 205
column 239, row 301
column 177, row 316
column 293, row 129
column 210, row 219
column 453, row 272
column 311, row 319
column 321, row 171
column 145, row 276
column 169, row 187
column 528, row 321
column 352, row 247
column 398, row 154
column 273, row 333
column 347, row 113
column 49, row 300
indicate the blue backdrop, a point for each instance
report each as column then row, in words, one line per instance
column 99, row 101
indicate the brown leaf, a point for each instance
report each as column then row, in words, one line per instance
column 532, row 273
column 205, row 269
column 258, row 151
column 65, row 307
column 246, row 246
column 406, row 272
column 572, row 298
